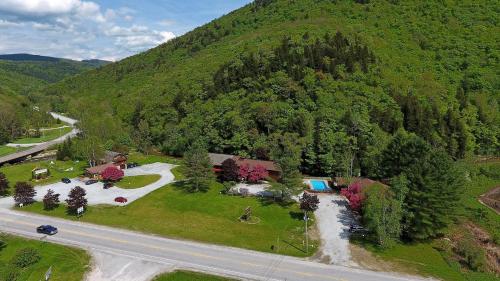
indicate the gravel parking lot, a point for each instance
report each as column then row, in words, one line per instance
column 97, row 195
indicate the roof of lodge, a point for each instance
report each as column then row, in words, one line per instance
column 97, row 170
column 217, row 160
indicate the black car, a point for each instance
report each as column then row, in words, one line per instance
column 132, row 165
column 90, row 182
column 47, row 229
column 356, row 229
column 66, row 180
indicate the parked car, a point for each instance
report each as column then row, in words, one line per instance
column 90, row 182
column 132, row 165
column 121, row 200
column 66, row 180
column 47, row 229
column 356, row 228
column 108, row 185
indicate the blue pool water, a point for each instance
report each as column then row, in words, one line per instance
column 319, row 185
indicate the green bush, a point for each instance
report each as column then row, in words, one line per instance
column 25, row 257
column 473, row 255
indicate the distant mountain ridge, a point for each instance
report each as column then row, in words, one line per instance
column 22, row 73
column 30, row 57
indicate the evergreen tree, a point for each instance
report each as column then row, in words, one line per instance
column 286, row 152
column 433, row 183
column 198, row 168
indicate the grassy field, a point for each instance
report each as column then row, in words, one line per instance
column 22, row 172
column 68, row 264
column 5, row 150
column 137, row 181
column 207, row 217
column 149, row 159
column 425, row 258
column 46, row 136
column 189, row 276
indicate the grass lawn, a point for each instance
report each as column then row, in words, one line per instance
column 5, row 150
column 207, row 217
column 189, row 276
column 46, row 136
column 137, row 181
column 22, row 172
column 68, row 264
column 143, row 159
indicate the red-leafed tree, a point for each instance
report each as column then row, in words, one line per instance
column 244, row 171
column 354, row 194
column 230, row 170
column 258, row 173
column 112, row 174
column 24, row 193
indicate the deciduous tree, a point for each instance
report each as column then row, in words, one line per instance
column 112, row 174
column 257, row 174
column 24, row 193
column 4, row 185
column 230, row 170
column 76, row 199
column 382, row 214
column 50, row 200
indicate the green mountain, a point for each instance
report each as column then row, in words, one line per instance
column 22, row 73
column 336, row 78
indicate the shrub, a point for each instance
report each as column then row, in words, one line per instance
column 25, row 257
column 473, row 255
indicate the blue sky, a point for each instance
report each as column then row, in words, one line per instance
column 104, row 29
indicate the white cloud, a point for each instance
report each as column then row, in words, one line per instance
column 77, row 29
column 167, row 22
column 138, row 36
column 6, row 23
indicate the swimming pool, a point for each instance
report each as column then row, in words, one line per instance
column 319, row 185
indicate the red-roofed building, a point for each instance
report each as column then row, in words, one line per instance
column 272, row 168
column 110, row 159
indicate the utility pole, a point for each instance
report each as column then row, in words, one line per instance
column 307, row 236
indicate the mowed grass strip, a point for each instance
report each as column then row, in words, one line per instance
column 137, row 181
column 46, row 136
column 205, row 216
column 190, row 276
column 5, row 150
column 22, row 172
column 68, row 264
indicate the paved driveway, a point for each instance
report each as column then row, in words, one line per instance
column 96, row 194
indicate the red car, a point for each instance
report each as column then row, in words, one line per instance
column 121, row 200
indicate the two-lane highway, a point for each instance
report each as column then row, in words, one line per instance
column 184, row 254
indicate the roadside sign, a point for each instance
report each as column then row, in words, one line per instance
column 48, row 274
column 306, row 218
column 79, row 210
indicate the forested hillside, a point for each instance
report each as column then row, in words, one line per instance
column 21, row 75
column 335, row 78
column 24, row 73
